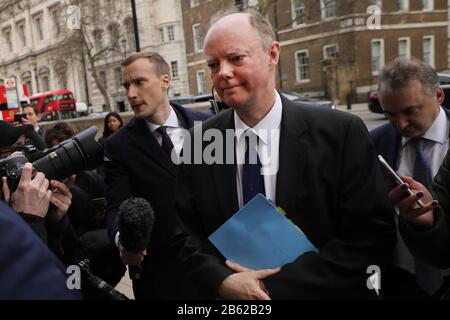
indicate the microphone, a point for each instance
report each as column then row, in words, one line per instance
column 135, row 221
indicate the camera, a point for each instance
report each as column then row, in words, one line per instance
column 58, row 163
column 19, row 117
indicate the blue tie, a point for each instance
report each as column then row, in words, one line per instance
column 427, row 277
column 252, row 180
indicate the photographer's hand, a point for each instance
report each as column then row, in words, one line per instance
column 61, row 198
column 5, row 189
column 26, row 121
column 32, row 195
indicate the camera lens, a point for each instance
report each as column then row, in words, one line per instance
column 80, row 153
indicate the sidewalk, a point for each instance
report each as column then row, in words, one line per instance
column 356, row 107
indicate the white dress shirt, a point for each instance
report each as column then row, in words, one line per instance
column 173, row 124
column 268, row 132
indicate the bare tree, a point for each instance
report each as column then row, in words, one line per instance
column 99, row 35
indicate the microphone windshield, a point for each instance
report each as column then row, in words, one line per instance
column 135, row 221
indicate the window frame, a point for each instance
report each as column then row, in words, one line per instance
column 294, row 9
column 197, row 73
column 297, row 66
column 432, row 50
column 382, row 56
column 325, row 47
column 174, row 72
column 197, row 47
column 324, row 7
column 430, row 5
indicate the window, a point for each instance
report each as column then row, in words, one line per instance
column 38, row 24
column 118, row 77
column 302, row 65
column 7, row 35
column 55, row 21
column 330, row 51
column 201, row 82
column 427, row 5
column 167, row 34
column 328, row 8
column 114, row 34
column 197, row 36
column 428, row 50
column 174, row 68
column 29, row 87
column 377, row 55
column 403, row 5
column 99, row 40
column 161, row 34
column 195, row 3
column 376, row 2
column 298, row 12
column 22, row 34
column 404, row 48
column 103, row 79
column 45, row 84
column 171, row 33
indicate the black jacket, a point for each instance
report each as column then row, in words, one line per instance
column 139, row 167
column 329, row 184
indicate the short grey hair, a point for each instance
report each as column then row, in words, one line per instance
column 259, row 23
column 401, row 72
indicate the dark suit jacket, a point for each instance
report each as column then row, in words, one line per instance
column 41, row 132
column 140, row 168
column 433, row 244
column 328, row 183
column 28, row 270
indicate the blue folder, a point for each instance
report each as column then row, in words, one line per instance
column 258, row 237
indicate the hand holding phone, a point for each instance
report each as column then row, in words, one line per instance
column 19, row 117
column 397, row 178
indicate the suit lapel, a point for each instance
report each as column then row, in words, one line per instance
column 224, row 175
column 292, row 156
column 144, row 140
column 182, row 117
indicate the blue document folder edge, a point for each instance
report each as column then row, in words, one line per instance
column 258, row 237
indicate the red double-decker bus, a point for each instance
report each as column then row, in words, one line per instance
column 55, row 105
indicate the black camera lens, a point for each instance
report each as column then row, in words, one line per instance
column 80, row 153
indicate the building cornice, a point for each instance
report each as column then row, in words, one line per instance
column 361, row 15
column 364, row 29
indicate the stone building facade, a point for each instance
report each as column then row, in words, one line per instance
column 35, row 51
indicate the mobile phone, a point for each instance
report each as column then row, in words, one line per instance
column 397, row 178
column 19, row 117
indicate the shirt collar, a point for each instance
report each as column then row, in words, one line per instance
column 438, row 132
column 268, row 124
column 171, row 122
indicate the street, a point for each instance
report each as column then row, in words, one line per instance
column 371, row 120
